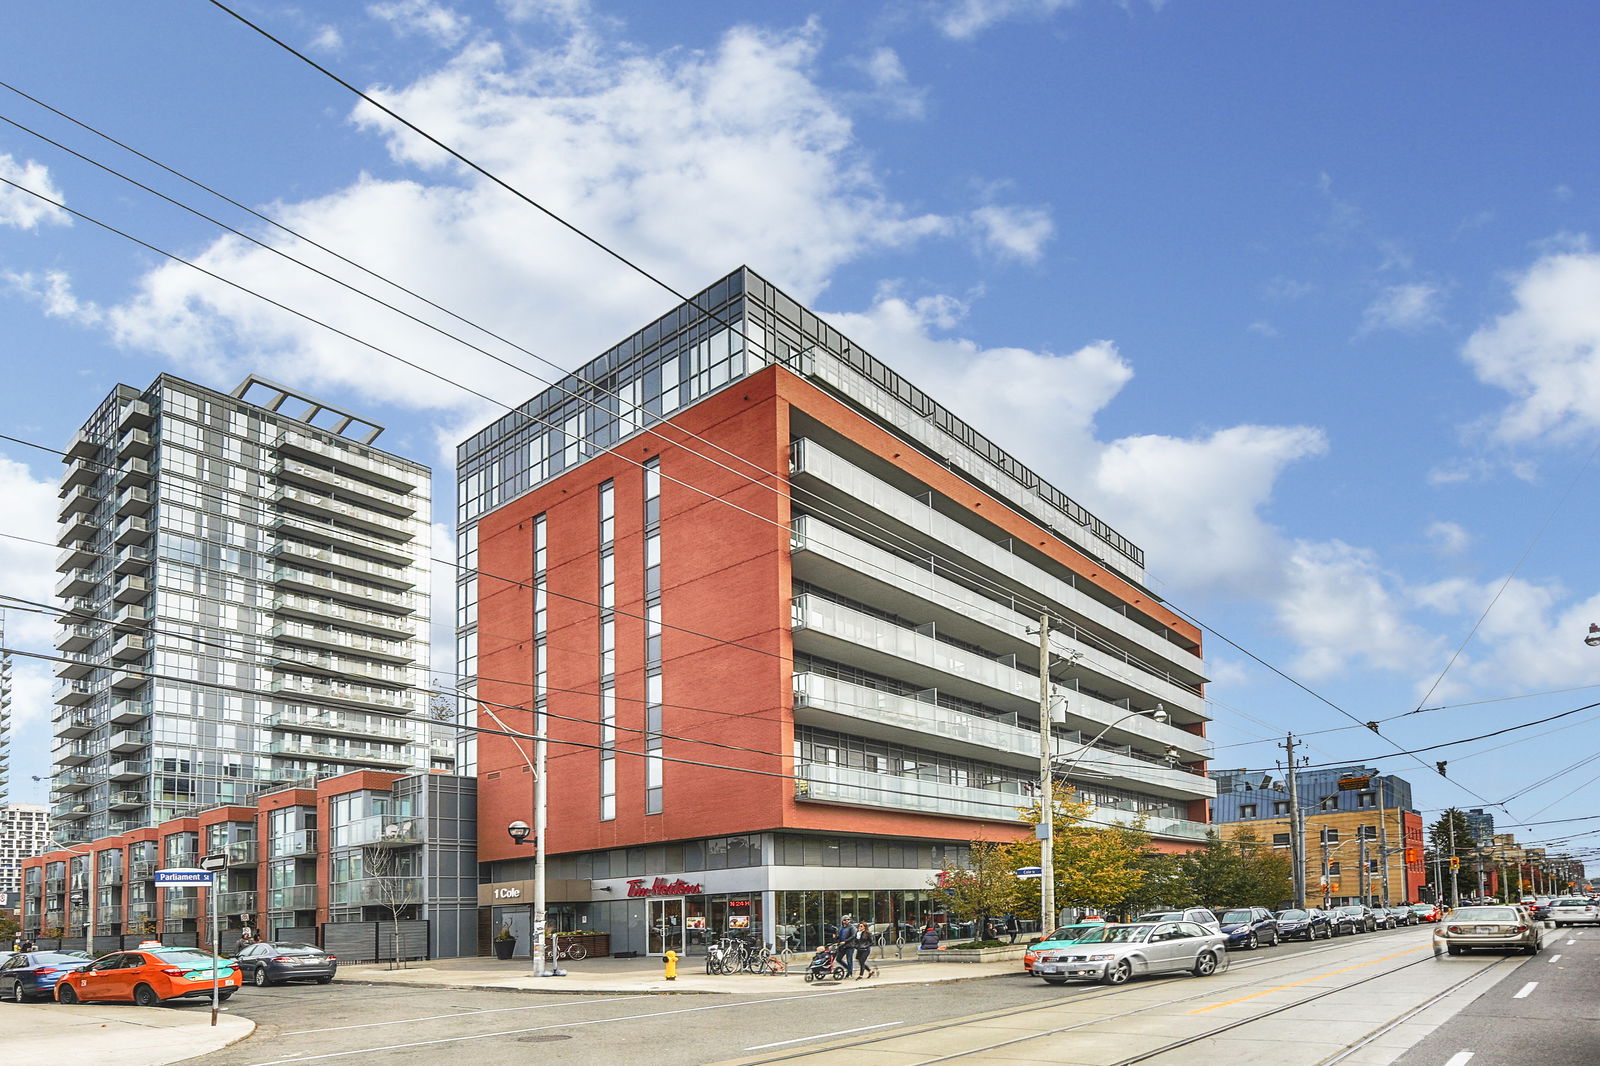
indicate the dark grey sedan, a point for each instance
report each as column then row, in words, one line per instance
column 272, row 963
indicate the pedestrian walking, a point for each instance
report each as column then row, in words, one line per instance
column 844, row 950
column 864, row 951
column 1013, row 927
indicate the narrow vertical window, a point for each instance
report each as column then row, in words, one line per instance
column 654, row 727
column 608, row 650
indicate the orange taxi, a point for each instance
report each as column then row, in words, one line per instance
column 149, row 977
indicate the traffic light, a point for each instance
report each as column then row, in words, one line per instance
column 1455, row 862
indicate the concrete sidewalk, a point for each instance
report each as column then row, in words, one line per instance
column 644, row 976
column 127, row 1036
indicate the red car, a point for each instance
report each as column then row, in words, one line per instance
column 1425, row 912
column 149, row 977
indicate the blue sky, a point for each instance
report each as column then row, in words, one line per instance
column 1304, row 299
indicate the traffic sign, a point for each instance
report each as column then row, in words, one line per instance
column 214, row 862
column 184, row 876
column 1031, row 871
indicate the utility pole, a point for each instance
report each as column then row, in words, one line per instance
column 1047, row 792
column 1383, row 839
column 1361, row 857
column 1450, row 838
column 1297, row 826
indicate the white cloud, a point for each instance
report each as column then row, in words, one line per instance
column 1262, row 328
column 328, row 39
column 1287, row 289
column 52, row 291
column 1014, row 232
column 1531, row 639
column 24, row 211
column 1448, row 538
column 1407, row 307
column 29, row 569
column 1344, row 611
column 441, row 22
column 893, row 91
column 1546, row 351
column 964, row 19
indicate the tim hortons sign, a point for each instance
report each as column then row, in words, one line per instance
column 662, row 887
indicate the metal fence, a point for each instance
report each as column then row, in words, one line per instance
column 375, row 941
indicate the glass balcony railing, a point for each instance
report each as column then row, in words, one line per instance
column 386, row 831
column 346, row 753
column 342, row 487
column 376, row 892
column 355, row 669
column 180, row 906
column 293, row 844
column 289, row 551
column 349, row 512
column 236, row 903
column 362, row 695
column 364, row 543
column 242, row 853
column 360, row 618
column 393, row 477
column 340, row 723
column 293, row 898
column 820, row 783
column 343, row 639
column 291, row 577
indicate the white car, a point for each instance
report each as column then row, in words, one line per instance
column 1571, row 910
column 1122, row 951
column 1198, row 915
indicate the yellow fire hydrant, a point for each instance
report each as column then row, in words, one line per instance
column 670, row 960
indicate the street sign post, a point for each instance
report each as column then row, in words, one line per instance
column 189, row 877
column 1030, row 872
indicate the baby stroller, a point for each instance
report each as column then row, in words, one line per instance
column 822, row 966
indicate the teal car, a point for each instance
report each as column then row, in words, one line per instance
column 1066, row 936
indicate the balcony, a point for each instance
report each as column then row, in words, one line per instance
column 864, row 711
column 319, row 479
column 343, row 640
column 371, row 755
column 80, row 473
column 288, row 577
column 74, row 637
column 296, row 898
column 135, row 414
column 236, row 903
column 130, row 589
column 110, row 876
column 128, row 770
column 132, row 531
column 341, row 724
column 70, row 693
column 75, row 583
column 350, row 513
column 132, row 560
column 180, row 906
column 128, row 712
column 133, row 501
column 130, row 646
column 69, row 810
column 848, row 635
column 81, row 447
column 135, row 442
column 127, row 680
column 73, row 781
column 242, row 853
column 79, row 501
column 339, row 562
column 142, row 870
column 131, row 616
column 358, row 695
column 818, row 783
column 139, row 913
column 71, row 724
column 307, row 660
column 298, row 843
column 343, row 458
column 76, row 556
column 80, row 527
column 356, row 617
column 134, row 472
column 298, row 525
column 385, row 832
column 127, row 742
column 127, row 800
column 75, row 664
column 375, row 892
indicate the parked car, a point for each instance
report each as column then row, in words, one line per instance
column 1573, row 910
column 1309, row 924
column 273, row 962
column 1250, row 927
column 33, row 974
column 1425, row 912
column 1198, row 915
column 1123, row 951
column 149, row 977
column 1400, row 916
column 1488, row 927
column 1354, row 918
column 1066, row 936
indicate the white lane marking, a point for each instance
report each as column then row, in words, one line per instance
column 542, row 1028
column 1571, row 942
column 1527, row 990
column 1553, row 958
column 1460, row 1058
column 457, row 1014
column 821, row 1036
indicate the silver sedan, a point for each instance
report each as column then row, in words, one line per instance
column 1488, row 927
column 1121, row 951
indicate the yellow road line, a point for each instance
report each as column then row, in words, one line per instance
column 1307, row 981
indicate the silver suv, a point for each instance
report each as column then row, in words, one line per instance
column 1193, row 914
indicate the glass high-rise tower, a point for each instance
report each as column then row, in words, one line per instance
column 244, row 593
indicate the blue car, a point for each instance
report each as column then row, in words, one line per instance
column 33, row 974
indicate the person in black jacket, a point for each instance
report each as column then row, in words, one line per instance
column 930, row 939
column 864, row 951
column 844, row 950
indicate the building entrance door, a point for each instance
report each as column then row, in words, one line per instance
column 666, row 925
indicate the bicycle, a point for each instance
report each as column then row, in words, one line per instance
column 761, row 959
column 576, row 953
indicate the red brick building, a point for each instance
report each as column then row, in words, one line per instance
column 781, row 633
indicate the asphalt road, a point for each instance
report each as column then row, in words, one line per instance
column 1544, row 1014
column 374, row 1025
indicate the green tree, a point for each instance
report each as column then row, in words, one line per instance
column 1451, row 829
column 1096, row 866
column 985, row 887
column 1166, row 885
column 1268, row 875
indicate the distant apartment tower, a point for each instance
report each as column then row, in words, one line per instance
column 24, row 833
column 1480, row 826
column 244, row 593
column 5, row 712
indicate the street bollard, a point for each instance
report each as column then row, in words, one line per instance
column 670, row 962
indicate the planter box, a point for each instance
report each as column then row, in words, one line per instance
column 1005, row 954
column 598, row 945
